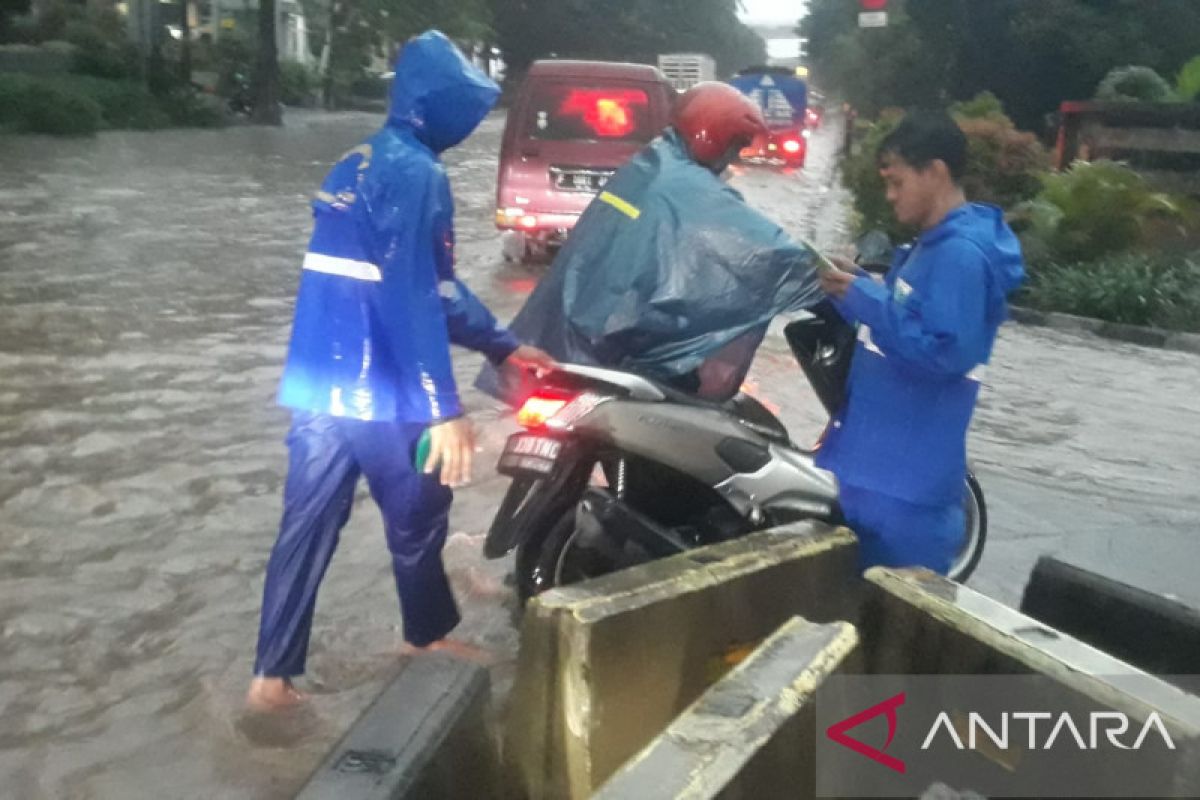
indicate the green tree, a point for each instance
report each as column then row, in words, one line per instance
column 1032, row 54
column 623, row 30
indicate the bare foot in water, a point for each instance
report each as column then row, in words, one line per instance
column 273, row 694
column 451, row 647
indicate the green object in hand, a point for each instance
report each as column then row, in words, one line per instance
column 422, row 454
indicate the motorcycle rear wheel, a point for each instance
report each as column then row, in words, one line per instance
column 975, row 508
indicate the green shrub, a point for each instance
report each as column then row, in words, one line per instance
column 1131, row 288
column 371, row 87
column 47, row 108
column 100, row 53
column 13, row 88
column 29, row 104
column 190, row 109
column 297, row 83
column 1092, row 210
column 1187, row 84
column 860, row 173
column 1135, row 84
column 123, row 104
column 1003, row 165
column 984, row 105
column 22, row 29
column 50, row 23
column 234, row 61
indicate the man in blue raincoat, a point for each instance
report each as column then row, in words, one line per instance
column 898, row 444
column 368, row 369
column 669, row 273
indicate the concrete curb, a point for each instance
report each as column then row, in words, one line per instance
column 1133, row 334
column 753, row 734
column 606, row 664
column 1122, row 620
column 425, row 737
column 916, row 623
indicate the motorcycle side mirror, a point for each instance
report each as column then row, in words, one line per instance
column 874, row 251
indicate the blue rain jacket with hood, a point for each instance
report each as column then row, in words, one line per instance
column 379, row 304
column 667, row 267
column 924, row 337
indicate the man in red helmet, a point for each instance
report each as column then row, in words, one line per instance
column 669, row 273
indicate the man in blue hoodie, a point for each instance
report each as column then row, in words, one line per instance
column 368, row 369
column 925, row 335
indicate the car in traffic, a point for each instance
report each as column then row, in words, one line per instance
column 572, row 124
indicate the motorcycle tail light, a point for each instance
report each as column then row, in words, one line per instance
column 538, row 410
column 556, row 411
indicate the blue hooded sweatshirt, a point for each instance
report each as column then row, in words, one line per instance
column 379, row 304
column 666, row 268
column 924, row 337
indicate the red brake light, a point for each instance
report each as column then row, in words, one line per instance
column 606, row 112
column 538, row 409
column 791, row 146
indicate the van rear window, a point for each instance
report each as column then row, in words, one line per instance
column 562, row 111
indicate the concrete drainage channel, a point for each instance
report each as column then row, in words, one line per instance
column 717, row 673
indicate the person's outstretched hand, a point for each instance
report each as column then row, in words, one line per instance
column 531, row 358
column 836, row 282
column 451, row 447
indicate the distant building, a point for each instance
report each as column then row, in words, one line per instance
column 211, row 19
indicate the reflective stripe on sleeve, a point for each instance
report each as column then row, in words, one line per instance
column 346, row 267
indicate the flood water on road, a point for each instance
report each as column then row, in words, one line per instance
column 146, row 283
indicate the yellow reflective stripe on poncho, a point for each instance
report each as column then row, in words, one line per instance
column 623, row 206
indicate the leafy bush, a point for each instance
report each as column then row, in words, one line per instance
column 101, row 53
column 22, row 29
column 1003, row 163
column 123, row 104
column 47, row 108
column 1092, row 210
column 372, row 87
column 12, row 99
column 1130, row 288
column 297, row 83
column 1135, row 84
column 1187, row 84
column 29, row 104
column 190, row 109
column 234, row 62
column 860, row 173
column 984, row 105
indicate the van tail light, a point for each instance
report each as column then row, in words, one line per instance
column 791, row 146
column 539, row 408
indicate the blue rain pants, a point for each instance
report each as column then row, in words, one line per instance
column 895, row 533
column 326, row 455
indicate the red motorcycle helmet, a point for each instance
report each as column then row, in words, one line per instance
column 712, row 117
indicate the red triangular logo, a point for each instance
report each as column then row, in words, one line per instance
column 837, row 732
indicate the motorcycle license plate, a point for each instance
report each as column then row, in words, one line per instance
column 526, row 453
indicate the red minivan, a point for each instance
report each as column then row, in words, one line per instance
column 572, row 125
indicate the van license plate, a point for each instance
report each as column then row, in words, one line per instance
column 579, row 180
